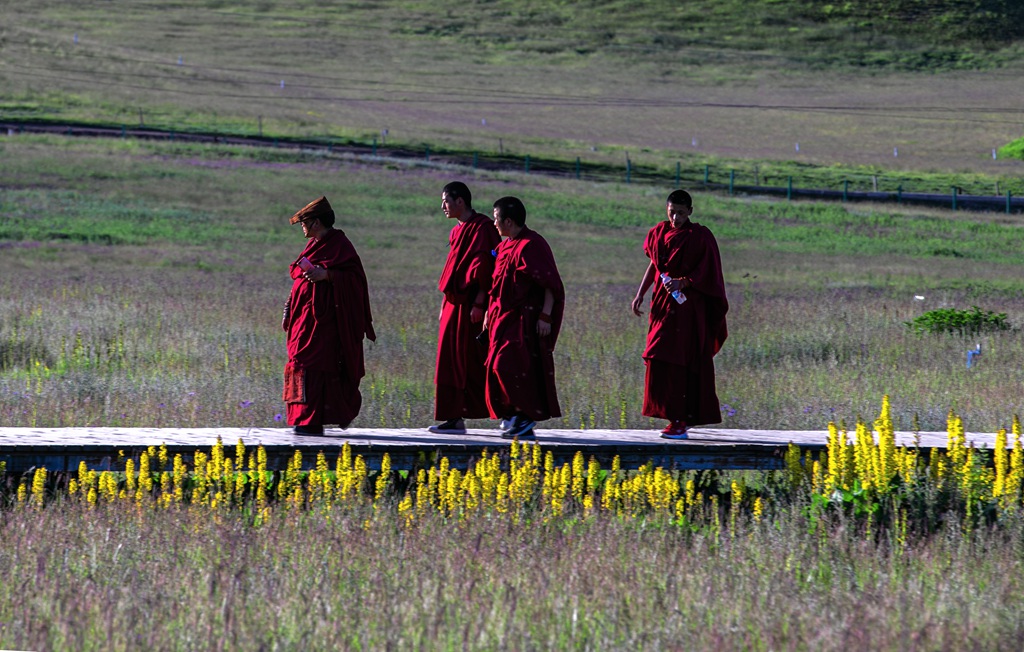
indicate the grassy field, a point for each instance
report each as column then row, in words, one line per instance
column 142, row 285
column 653, row 81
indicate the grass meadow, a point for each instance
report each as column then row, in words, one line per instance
column 719, row 83
column 141, row 284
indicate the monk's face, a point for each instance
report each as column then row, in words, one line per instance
column 453, row 208
column 309, row 228
column 678, row 214
column 504, row 226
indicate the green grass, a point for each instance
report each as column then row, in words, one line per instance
column 165, row 310
column 600, row 80
column 99, row 579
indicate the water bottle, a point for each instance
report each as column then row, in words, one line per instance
column 678, row 294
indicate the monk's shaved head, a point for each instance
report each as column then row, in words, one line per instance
column 680, row 197
column 511, row 208
column 458, row 190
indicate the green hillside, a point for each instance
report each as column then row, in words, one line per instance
column 884, row 34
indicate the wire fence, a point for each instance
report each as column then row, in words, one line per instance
column 853, row 188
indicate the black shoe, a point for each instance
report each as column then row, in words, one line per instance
column 527, row 435
column 308, row 430
column 449, row 427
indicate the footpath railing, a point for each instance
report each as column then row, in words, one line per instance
column 955, row 199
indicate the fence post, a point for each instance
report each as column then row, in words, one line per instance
column 789, row 189
column 1008, row 201
column 527, row 163
column 375, row 146
column 679, row 172
column 899, row 194
column 732, row 181
column 954, row 197
column 172, row 134
column 629, row 171
column 428, row 152
column 124, row 131
column 476, row 160
column 707, row 174
column 577, row 168
column 846, row 188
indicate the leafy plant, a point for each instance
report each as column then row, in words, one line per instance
column 959, row 322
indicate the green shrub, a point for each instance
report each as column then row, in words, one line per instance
column 960, row 322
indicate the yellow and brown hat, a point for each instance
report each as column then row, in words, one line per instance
column 316, row 209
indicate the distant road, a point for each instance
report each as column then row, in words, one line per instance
column 498, row 162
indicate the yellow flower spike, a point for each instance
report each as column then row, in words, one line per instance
column 162, row 456
column 383, row 478
column 501, row 503
column 1000, row 461
column 83, row 472
column 166, row 487
column 579, row 477
column 513, row 451
column 72, row 486
column 588, row 505
column 359, row 474
column 179, row 479
column 239, row 454
column 145, row 477
column 129, row 477
column 794, row 470
column 261, row 478
column 593, row 475
column 758, row 509
column 92, row 497
column 405, row 510
column 1016, row 475
column 228, row 472
column 38, row 487
column 734, row 505
column 816, row 477
column 452, row 495
column 217, row 456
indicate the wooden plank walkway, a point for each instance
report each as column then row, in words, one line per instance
column 61, row 449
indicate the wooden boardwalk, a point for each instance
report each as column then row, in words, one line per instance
column 61, row 449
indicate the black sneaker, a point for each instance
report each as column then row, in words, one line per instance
column 449, row 427
column 519, row 428
column 308, row 430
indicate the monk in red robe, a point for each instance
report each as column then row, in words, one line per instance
column 465, row 282
column 527, row 300
column 326, row 319
column 688, row 329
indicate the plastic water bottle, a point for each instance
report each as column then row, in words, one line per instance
column 678, row 294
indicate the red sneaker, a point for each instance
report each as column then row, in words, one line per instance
column 675, row 430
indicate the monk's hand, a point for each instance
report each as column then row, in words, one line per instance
column 476, row 314
column 638, row 302
column 316, row 274
column 543, row 328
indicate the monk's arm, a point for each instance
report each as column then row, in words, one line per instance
column 544, row 321
column 645, row 285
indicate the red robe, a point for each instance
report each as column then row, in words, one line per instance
column 326, row 323
column 684, row 338
column 459, row 376
column 520, row 364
